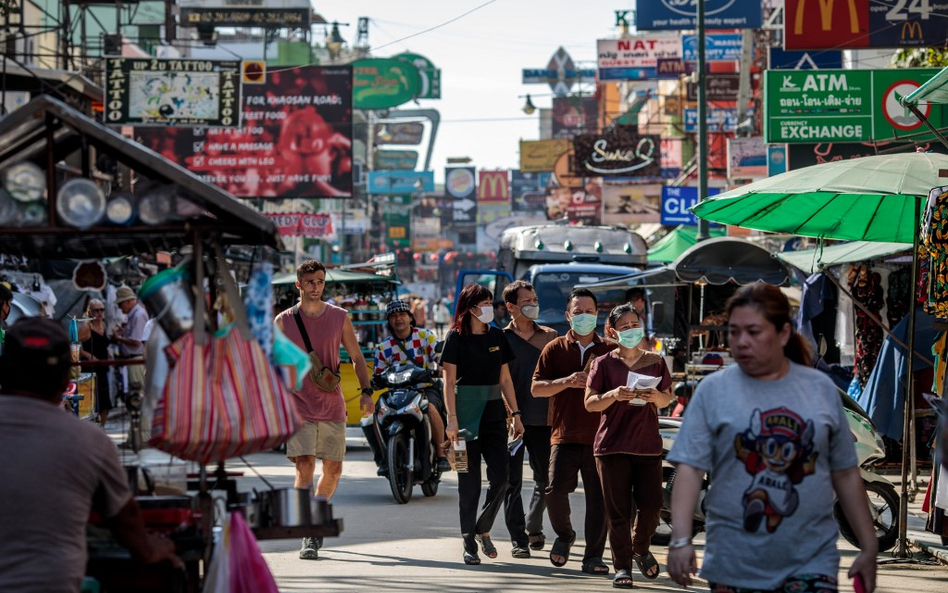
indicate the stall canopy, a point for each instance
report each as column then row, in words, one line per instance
column 46, row 131
column 933, row 91
column 813, row 260
column 727, row 259
column 336, row 275
column 668, row 248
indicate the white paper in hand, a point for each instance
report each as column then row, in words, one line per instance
column 638, row 381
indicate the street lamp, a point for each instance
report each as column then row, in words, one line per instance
column 334, row 41
column 529, row 107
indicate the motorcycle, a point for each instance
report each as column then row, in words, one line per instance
column 403, row 431
column 882, row 496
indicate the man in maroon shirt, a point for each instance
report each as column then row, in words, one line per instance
column 561, row 376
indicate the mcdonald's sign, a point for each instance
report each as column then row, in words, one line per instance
column 839, row 24
column 912, row 30
column 492, row 186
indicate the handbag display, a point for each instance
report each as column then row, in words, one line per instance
column 321, row 375
column 223, row 397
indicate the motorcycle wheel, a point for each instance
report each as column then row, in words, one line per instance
column 884, row 508
column 430, row 488
column 399, row 476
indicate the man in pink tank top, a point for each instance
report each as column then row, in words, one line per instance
column 323, row 435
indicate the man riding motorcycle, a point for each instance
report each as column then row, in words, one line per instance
column 410, row 344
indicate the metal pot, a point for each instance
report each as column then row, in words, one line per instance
column 168, row 300
column 285, row 507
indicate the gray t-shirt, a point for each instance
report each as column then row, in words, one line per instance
column 56, row 469
column 769, row 448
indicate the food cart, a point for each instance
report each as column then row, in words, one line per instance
column 53, row 145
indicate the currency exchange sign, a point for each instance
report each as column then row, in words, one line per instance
column 842, row 105
column 839, row 24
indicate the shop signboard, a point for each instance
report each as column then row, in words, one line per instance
column 635, row 58
column 293, row 14
column 574, row 115
column 807, row 155
column 400, row 182
column 776, row 159
column 528, row 191
column 631, row 204
column 560, row 73
column 430, row 75
column 719, row 120
column 538, row 156
column 841, row 24
column 312, row 225
column 718, row 47
column 618, row 152
column 682, row 14
column 397, row 216
column 491, row 211
column 493, row 186
column 673, row 67
column 843, row 105
column 805, row 60
column 585, row 207
column 746, row 158
column 154, row 92
column 677, row 202
column 460, row 184
column 293, row 142
column 383, row 83
column 718, row 87
column 396, row 159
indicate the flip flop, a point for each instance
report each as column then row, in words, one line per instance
column 561, row 548
column 537, row 541
column 471, row 559
column 623, row 579
column 595, row 566
column 487, row 546
column 646, row 562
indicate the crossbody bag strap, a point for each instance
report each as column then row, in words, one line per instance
column 299, row 324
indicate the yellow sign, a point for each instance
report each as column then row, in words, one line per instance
column 826, row 16
column 396, row 232
column 914, row 29
column 539, row 156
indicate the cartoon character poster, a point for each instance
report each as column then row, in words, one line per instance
column 777, row 451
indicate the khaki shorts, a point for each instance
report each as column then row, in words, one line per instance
column 325, row 440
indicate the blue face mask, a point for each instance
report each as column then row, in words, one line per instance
column 583, row 324
column 630, row 338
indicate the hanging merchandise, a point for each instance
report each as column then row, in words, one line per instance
column 866, row 288
column 249, row 572
column 898, row 295
column 934, row 252
column 258, row 302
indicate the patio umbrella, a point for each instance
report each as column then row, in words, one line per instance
column 876, row 198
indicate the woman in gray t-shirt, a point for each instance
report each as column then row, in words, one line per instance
column 779, row 448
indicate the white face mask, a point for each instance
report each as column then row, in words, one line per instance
column 530, row 311
column 487, row 314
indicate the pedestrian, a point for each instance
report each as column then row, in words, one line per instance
column 477, row 385
column 6, row 302
column 527, row 339
column 319, row 329
column 772, row 436
column 561, row 375
column 57, row 470
column 441, row 315
column 131, row 348
column 96, row 348
column 628, row 386
column 500, row 314
column 419, row 311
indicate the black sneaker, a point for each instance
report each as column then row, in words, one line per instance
column 382, row 471
column 308, row 551
column 443, row 465
column 518, row 551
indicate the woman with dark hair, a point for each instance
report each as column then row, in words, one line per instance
column 629, row 385
column 477, row 385
column 771, row 433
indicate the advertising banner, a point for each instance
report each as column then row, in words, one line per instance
column 802, row 60
column 676, row 202
column 719, row 120
column 776, row 159
column 460, row 185
column 746, row 158
column 718, row 87
column 397, row 216
column 538, row 156
column 295, row 140
column 382, row 83
column 293, row 14
column 528, row 191
column 302, row 224
column 635, row 58
column 569, row 120
column 631, row 204
column 718, row 47
column 491, row 211
column 430, row 76
column 673, row 67
column 585, row 207
column 807, row 155
column 829, row 24
column 843, row 105
column 153, row 92
column 493, row 186
column 619, row 151
column 400, row 182
column 394, row 160
column 682, row 14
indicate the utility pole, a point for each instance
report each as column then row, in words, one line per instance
column 702, row 121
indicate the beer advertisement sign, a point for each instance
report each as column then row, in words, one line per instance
column 839, row 24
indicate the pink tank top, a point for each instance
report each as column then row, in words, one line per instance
column 325, row 335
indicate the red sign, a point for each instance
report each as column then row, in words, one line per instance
column 813, row 24
column 493, row 186
column 300, row 224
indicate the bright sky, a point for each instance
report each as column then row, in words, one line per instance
column 481, row 56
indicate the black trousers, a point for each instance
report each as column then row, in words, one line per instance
column 631, row 484
column 491, row 445
column 567, row 462
column 536, row 442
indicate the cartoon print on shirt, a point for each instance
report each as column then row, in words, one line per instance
column 777, row 450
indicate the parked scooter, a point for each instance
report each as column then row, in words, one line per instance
column 403, row 431
column 882, row 495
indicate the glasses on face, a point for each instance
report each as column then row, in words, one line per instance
column 97, row 310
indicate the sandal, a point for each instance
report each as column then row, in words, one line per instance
column 537, row 541
column 595, row 566
column 487, row 546
column 471, row 559
column 561, row 547
column 623, row 579
column 646, row 562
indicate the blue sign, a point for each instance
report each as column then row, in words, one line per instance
column 528, row 191
column 400, row 182
column 805, row 60
column 677, row 201
column 719, row 120
column 776, row 159
column 677, row 15
column 717, row 47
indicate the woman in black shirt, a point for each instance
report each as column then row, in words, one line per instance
column 477, row 385
column 97, row 348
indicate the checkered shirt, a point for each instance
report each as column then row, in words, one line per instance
column 420, row 345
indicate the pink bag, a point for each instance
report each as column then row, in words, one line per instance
column 249, row 572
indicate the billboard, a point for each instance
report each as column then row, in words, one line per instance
column 802, row 106
column 538, row 156
column 719, row 120
column 630, row 204
column 313, row 225
column 718, row 47
column 574, row 115
column 528, row 190
column 295, row 140
column 619, row 151
column 635, row 58
column 460, row 185
column 718, row 87
column 676, row 204
column 807, row 155
column 382, row 83
column 746, row 158
column 153, row 92
column 839, row 24
column 493, row 186
column 245, row 13
column 682, row 14
column 400, row 182
column 802, row 60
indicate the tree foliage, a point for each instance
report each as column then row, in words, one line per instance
column 921, row 57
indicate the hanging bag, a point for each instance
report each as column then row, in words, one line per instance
column 223, row 398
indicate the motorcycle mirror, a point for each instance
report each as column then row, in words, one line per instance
column 658, row 313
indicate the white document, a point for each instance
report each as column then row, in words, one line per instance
column 639, row 381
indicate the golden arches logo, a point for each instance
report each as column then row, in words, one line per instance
column 913, row 28
column 493, row 186
column 826, row 16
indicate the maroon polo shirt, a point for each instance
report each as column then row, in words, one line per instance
column 568, row 417
column 625, row 428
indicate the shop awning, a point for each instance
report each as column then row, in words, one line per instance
column 812, row 260
column 933, row 91
column 339, row 276
column 727, row 259
column 672, row 245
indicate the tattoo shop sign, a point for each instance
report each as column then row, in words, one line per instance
column 620, row 151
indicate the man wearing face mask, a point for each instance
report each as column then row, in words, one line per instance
column 561, row 375
column 527, row 339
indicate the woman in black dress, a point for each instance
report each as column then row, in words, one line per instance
column 97, row 348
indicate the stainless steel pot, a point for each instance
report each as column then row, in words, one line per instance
column 285, row 507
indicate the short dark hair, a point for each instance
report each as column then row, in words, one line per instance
column 621, row 310
column 636, row 292
column 581, row 292
column 6, row 295
column 309, row 267
column 512, row 290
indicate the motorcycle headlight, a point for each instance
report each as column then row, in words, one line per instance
column 398, row 377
